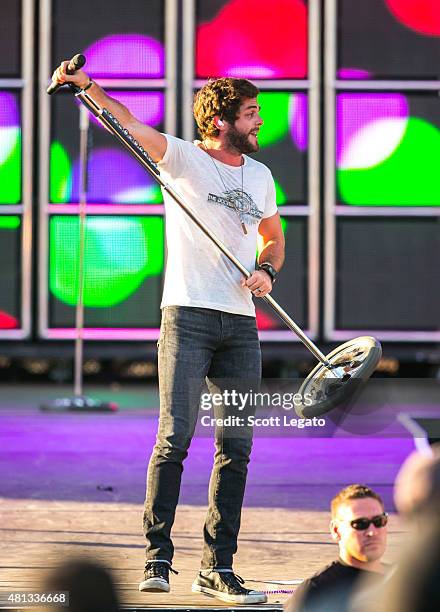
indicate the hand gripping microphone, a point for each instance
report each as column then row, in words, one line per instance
column 75, row 64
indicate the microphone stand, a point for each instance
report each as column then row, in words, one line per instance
column 79, row 313
column 80, row 402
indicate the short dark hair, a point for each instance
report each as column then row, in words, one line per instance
column 221, row 97
column 354, row 491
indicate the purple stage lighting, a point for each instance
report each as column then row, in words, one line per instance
column 353, row 74
column 299, row 124
column 115, row 176
column 147, row 106
column 129, row 56
column 9, row 114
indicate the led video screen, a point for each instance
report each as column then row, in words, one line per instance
column 388, row 39
column 10, row 148
column 388, row 274
column 10, row 272
column 114, row 175
column 291, row 289
column 10, row 39
column 388, row 149
column 251, row 39
column 123, row 266
column 283, row 141
column 118, row 42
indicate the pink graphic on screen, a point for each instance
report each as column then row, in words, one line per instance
column 422, row 16
column 120, row 56
column 7, row 321
column 264, row 320
column 254, row 39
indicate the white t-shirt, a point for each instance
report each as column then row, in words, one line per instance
column 197, row 272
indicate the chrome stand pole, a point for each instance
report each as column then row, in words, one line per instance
column 112, row 124
column 79, row 313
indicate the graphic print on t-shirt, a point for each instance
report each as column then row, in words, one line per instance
column 241, row 202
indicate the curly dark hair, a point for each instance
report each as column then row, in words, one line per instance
column 221, row 97
column 354, row 491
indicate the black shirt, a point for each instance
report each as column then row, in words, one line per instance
column 329, row 590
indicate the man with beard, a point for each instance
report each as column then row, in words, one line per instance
column 208, row 328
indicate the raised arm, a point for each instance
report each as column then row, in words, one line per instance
column 153, row 141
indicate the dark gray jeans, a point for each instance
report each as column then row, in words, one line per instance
column 197, row 344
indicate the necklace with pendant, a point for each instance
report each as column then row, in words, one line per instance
column 230, row 199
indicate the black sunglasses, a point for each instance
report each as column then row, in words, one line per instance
column 361, row 524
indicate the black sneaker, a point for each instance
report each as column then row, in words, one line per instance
column 226, row 586
column 156, row 577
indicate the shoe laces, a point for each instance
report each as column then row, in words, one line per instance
column 158, row 569
column 233, row 580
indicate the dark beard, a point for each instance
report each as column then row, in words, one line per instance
column 240, row 142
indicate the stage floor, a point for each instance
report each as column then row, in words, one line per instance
column 73, row 484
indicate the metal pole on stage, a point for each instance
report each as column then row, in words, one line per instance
column 80, row 402
column 79, row 312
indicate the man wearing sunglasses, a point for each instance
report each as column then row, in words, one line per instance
column 359, row 526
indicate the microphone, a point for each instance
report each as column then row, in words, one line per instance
column 75, row 64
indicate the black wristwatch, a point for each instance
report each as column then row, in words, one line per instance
column 268, row 267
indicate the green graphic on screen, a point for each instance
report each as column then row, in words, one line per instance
column 120, row 254
column 10, row 149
